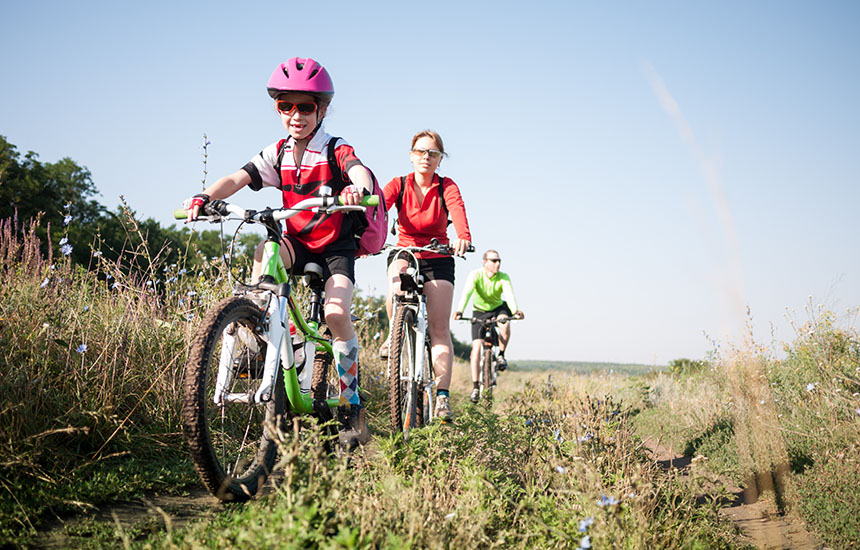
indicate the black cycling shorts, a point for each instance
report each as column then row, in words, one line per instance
column 476, row 327
column 433, row 269
column 332, row 262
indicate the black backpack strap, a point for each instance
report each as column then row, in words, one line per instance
column 332, row 161
column 281, row 149
column 442, row 195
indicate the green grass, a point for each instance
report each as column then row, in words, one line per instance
column 85, row 427
column 586, row 367
column 521, row 477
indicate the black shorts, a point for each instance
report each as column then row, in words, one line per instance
column 332, row 262
column 477, row 327
column 433, row 269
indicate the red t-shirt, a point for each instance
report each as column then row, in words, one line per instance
column 420, row 221
column 331, row 232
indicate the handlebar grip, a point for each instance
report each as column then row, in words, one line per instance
column 370, row 200
column 180, row 214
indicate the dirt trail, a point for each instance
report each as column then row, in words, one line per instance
column 175, row 510
column 760, row 526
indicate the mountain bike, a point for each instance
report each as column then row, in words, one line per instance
column 243, row 382
column 488, row 361
column 410, row 364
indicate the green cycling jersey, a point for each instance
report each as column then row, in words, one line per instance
column 489, row 292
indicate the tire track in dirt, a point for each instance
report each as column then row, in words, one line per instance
column 758, row 522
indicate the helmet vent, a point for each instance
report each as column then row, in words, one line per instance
column 314, row 73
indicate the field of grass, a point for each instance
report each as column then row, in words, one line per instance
column 89, row 411
column 585, row 367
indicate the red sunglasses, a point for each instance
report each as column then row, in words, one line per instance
column 288, row 108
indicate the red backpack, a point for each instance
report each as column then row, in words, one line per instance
column 372, row 225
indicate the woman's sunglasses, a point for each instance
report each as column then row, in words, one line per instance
column 289, row 108
column 434, row 153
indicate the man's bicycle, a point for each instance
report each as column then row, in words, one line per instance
column 244, row 380
column 410, row 364
column 488, row 360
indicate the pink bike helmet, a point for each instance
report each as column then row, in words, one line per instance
column 301, row 75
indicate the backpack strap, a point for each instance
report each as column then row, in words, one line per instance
column 399, row 201
column 332, row 161
column 282, row 146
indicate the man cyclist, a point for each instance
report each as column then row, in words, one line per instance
column 494, row 296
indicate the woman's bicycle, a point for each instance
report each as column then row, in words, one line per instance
column 244, row 378
column 410, row 364
column 488, row 360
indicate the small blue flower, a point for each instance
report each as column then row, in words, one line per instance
column 67, row 206
column 584, row 524
column 67, row 219
column 192, row 293
column 81, row 349
column 607, row 501
column 113, row 286
column 189, row 317
column 66, row 249
column 97, row 253
column 45, row 283
column 557, row 436
column 585, row 543
column 63, row 241
column 182, row 271
column 560, row 469
column 529, row 422
column 810, row 386
column 86, row 308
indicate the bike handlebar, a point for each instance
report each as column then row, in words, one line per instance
column 434, row 247
column 218, row 209
column 491, row 320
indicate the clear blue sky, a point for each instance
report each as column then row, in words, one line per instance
column 646, row 170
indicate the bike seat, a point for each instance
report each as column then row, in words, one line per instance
column 313, row 273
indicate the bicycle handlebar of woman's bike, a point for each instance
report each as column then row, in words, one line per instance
column 217, row 210
column 434, row 247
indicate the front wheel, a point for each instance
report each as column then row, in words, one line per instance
column 487, row 374
column 425, row 392
column 402, row 390
column 231, row 439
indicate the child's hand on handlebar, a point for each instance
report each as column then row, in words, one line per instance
column 519, row 315
column 458, row 315
column 351, row 195
column 193, row 206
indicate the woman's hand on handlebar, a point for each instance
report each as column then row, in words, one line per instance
column 519, row 315
column 461, row 246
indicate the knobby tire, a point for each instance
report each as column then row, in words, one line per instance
column 487, row 374
column 402, row 392
column 233, row 447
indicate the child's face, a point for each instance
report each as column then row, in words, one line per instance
column 299, row 113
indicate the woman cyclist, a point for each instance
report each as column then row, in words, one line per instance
column 424, row 199
column 298, row 166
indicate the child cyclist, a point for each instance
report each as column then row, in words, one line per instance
column 298, row 166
